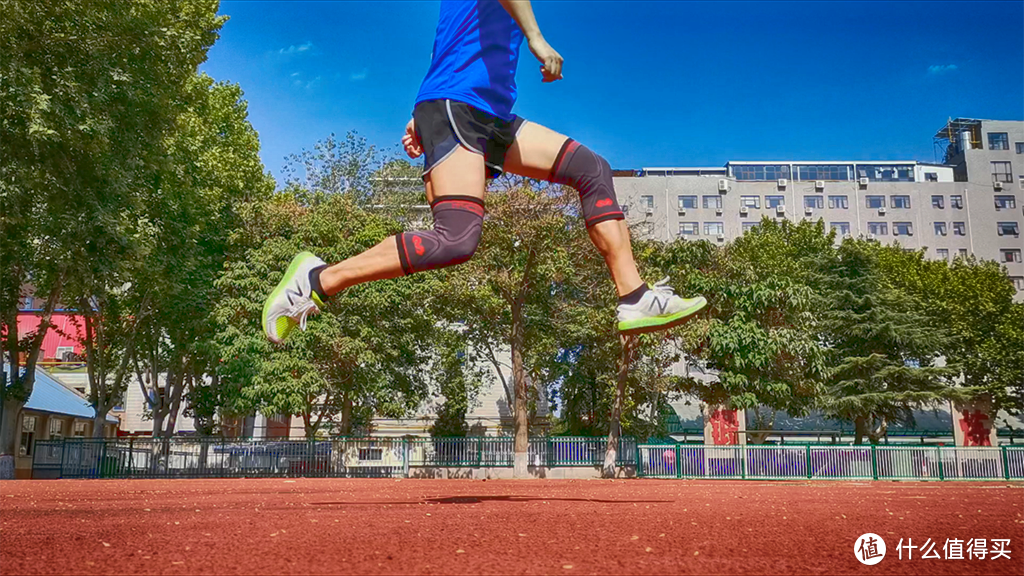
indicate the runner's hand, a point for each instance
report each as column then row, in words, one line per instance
column 412, row 144
column 550, row 60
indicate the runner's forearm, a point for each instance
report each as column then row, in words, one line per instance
column 522, row 12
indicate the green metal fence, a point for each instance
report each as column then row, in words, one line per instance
column 830, row 462
column 335, row 457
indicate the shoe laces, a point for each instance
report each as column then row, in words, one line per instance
column 302, row 310
column 662, row 287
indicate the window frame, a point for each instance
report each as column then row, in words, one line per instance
column 908, row 226
column 844, row 200
column 959, row 228
column 1013, row 226
column 1005, row 140
column 942, row 201
column 717, row 201
column 942, row 253
column 878, row 228
column 683, row 197
column 696, row 229
column 769, row 198
column 903, row 198
column 841, row 228
column 1004, row 177
column 1009, row 201
column 720, row 228
column 746, row 198
column 1013, row 253
column 939, row 228
column 817, row 201
column 956, row 201
column 647, row 201
column 869, row 197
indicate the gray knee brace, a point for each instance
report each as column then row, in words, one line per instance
column 458, row 221
column 591, row 176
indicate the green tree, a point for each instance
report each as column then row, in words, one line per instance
column 883, row 347
column 87, row 94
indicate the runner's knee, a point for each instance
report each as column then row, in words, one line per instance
column 579, row 167
column 458, row 222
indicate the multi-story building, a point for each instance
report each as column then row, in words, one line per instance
column 971, row 204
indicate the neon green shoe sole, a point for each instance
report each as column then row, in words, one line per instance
column 656, row 323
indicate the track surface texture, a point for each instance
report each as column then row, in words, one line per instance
column 355, row 526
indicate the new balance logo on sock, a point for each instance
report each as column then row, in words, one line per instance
column 418, row 245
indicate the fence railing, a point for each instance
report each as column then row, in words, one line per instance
column 338, row 457
column 830, row 462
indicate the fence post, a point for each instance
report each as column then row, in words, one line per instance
column 639, row 468
column 679, row 461
column 1006, row 463
column 810, row 473
column 63, row 454
column 131, row 456
column 743, row 460
column 479, row 452
column 942, row 474
column 874, row 463
column 405, row 456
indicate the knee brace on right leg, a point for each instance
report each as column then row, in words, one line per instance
column 591, row 176
column 458, row 222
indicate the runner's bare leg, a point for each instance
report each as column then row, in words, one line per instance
column 533, row 155
column 463, row 173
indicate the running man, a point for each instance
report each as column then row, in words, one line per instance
column 464, row 127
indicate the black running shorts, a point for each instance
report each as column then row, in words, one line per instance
column 442, row 125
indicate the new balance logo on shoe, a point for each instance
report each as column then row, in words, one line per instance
column 662, row 304
column 289, row 293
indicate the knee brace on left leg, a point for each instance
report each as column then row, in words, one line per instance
column 591, row 176
column 458, row 222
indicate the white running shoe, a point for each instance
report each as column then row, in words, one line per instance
column 292, row 300
column 658, row 309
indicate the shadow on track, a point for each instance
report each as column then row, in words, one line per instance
column 479, row 499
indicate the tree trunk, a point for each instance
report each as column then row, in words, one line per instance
column 99, row 425
column 8, row 434
column 860, row 429
column 346, row 414
column 521, row 447
column 615, row 422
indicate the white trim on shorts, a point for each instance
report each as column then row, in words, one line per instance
column 455, row 128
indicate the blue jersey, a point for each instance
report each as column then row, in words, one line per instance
column 476, row 51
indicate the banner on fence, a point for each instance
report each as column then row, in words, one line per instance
column 724, row 426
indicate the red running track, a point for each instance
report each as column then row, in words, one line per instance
column 347, row 526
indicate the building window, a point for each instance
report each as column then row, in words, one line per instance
column 1007, row 229
column 28, row 434
column 875, row 201
column 79, row 431
column 713, row 202
column 998, row 141
column 878, row 228
column 886, row 173
column 823, row 172
column 750, row 201
column 902, row 229
column 814, row 201
column 841, row 228
column 1020, row 182
column 56, row 429
column 714, row 228
column 625, row 209
column 1009, row 255
column 838, row 202
column 1019, row 146
column 1001, row 172
column 1018, row 282
column 764, row 172
column 647, row 202
column 938, row 202
column 940, row 228
column 900, row 201
column 961, row 253
column 956, row 201
column 688, row 228
column 959, row 229
column 1005, row 202
column 774, row 201
column 747, row 226
column 687, row 202
column 931, row 176
column 943, row 253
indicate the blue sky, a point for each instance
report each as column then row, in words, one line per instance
column 655, row 83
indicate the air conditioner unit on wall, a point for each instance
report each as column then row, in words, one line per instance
column 718, row 211
column 863, row 181
column 808, row 210
column 783, row 182
column 997, row 185
column 721, row 237
column 650, row 211
column 723, row 185
column 743, row 211
column 819, row 184
column 682, row 212
column 780, row 209
column 881, row 211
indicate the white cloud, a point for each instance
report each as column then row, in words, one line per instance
column 296, row 74
column 358, row 76
column 293, row 49
column 942, row 68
